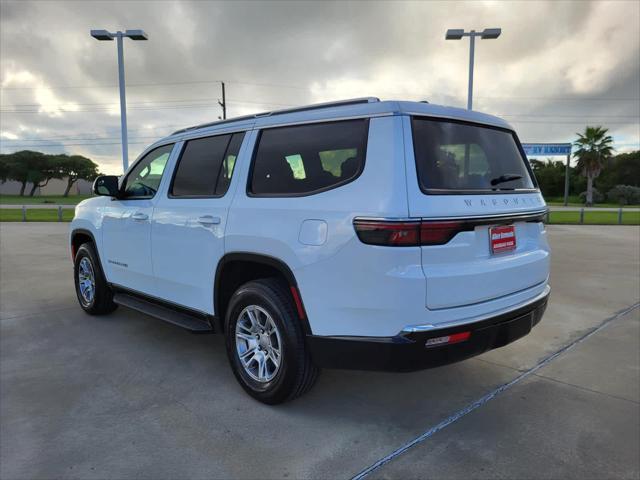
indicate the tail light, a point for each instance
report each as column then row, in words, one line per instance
column 439, row 233
column 411, row 233
column 390, row 233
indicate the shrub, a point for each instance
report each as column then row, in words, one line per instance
column 624, row 195
column 597, row 196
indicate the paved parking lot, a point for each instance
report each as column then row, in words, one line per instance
column 128, row 396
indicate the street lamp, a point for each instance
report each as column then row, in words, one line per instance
column 108, row 36
column 486, row 34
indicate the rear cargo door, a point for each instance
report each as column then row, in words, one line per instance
column 482, row 238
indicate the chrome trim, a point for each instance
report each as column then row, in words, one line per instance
column 516, row 216
column 387, row 219
column 455, row 323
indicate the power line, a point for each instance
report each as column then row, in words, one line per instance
column 310, row 88
column 60, row 87
column 104, row 109
column 114, row 103
column 75, row 144
column 170, row 127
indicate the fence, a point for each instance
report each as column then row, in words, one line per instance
column 585, row 216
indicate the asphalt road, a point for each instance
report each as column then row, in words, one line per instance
column 127, row 396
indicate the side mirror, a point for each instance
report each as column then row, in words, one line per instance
column 106, row 185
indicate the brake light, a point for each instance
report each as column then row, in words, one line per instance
column 410, row 233
column 439, row 233
column 389, row 233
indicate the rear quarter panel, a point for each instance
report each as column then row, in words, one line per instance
column 282, row 227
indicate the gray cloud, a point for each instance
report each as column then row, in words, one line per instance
column 557, row 67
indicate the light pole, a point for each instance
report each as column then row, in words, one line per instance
column 108, row 36
column 486, row 34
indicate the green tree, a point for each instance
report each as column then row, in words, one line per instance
column 20, row 166
column 76, row 167
column 593, row 151
column 550, row 176
column 4, row 167
column 623, row 169
column 42, row 169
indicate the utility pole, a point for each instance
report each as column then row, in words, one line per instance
column 223, row 103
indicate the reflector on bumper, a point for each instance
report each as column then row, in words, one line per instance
column 447, row 339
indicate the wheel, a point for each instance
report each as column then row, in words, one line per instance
column 265, row 343
column 94, row 295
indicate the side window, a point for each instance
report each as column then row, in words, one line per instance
column 205, row 166
column 145, row 177
column 303, row 159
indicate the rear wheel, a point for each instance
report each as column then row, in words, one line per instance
column 265, row 343
column 93, row 292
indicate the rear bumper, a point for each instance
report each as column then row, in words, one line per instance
column 407, row 352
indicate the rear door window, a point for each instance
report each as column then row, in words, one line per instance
column 205, row 166
column 306, row 159
column 461, row 157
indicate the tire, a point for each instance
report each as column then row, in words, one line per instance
column 295, row 373
column 101, row 300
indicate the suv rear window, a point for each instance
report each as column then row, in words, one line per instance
column 462, row 157
column 305, row 159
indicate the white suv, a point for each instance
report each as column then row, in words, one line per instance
column 358, row 234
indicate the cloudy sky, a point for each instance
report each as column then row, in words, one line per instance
column 557, row 67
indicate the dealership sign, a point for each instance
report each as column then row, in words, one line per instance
column 541, row 149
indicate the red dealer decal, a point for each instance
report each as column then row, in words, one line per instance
column 503, row 239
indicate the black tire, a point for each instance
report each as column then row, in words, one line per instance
column 296, row 373
column 102, row 301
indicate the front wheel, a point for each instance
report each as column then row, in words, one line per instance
column 94, row 295
column 265, row 343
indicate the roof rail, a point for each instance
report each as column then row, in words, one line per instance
column 315, row 106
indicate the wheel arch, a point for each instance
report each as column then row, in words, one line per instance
column 79, row 236
column 237, row 268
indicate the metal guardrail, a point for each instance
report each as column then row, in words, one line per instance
column 24, row 213
column 581, row 213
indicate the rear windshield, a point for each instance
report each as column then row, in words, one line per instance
column 460, row 157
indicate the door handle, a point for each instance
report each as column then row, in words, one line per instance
column 139, row 216
column 208, row 220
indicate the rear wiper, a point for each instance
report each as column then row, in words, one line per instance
column 507, row 177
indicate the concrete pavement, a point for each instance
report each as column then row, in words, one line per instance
column 127, row 396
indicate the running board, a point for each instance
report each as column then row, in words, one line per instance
column 177, row 316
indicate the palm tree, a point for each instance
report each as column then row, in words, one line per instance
column 594, row 149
